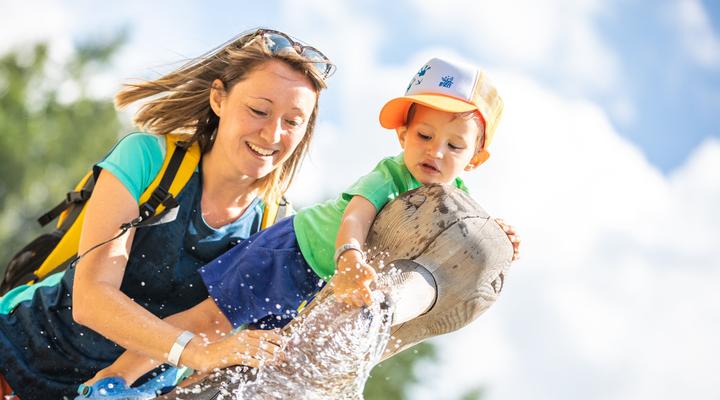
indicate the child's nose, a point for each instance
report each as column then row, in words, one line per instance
column 434, row 150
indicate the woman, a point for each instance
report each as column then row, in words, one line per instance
column 251, row 105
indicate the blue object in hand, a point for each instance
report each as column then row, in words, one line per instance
column 115, row 388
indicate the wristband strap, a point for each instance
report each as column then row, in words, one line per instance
column 347, row 246
column 177, row 348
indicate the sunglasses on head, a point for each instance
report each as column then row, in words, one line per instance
column 278, row 42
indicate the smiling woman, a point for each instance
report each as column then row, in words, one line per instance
column 249, row 109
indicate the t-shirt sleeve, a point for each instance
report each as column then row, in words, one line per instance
column 135, row 160
column 379, row 187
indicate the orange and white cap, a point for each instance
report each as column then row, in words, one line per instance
column 448, row 86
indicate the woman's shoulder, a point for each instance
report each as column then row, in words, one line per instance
column 135, row 160
column 150, row 143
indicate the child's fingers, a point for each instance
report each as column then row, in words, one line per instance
column 366, row 296
column 368, row 274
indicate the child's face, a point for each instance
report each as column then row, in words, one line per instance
column 439, row 145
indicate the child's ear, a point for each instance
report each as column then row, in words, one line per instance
column 401, row 132
column 217, row 94
column 479, row 158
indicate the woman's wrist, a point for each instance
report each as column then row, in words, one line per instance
column 193, row 354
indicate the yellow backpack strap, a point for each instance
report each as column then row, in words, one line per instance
column 70, row 224
column 275, row 212
column 178, row 166
column 180, row 163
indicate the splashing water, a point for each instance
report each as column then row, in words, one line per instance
column 328, row 356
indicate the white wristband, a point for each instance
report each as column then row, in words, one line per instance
column 177, row 348
column 347, row 246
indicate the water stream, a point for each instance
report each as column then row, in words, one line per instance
column 328, row 356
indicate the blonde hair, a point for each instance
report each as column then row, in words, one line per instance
column 181, row 101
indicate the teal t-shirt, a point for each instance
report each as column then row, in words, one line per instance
column 316, row 227
column 136, row 160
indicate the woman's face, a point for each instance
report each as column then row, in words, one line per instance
column 262, row 118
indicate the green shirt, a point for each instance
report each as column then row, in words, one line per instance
column 316, row 227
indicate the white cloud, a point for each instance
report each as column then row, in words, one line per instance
column 45, row 20
column 556, row 35
column 701, row 42
column 613, row 294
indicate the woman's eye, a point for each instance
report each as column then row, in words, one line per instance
column 257, row 112
column 293, row 122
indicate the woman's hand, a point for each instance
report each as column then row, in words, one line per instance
column 249, row 347
column 512, row 235
column 351, row 283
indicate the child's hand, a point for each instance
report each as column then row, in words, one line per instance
column 512, row 235
column 351, row 283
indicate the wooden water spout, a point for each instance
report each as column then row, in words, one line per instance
column 452, row 260
column 442, row 231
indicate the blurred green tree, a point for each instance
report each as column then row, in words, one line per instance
column 51, row 131
column 391, row 379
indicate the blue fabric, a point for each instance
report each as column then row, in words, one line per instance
column 44, row 354
column 112, row 388
column 115, row 388
column 263, row 280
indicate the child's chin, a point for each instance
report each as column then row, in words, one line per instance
column 432, row 182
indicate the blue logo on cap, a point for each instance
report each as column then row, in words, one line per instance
column 416, row 80
column 446, row 81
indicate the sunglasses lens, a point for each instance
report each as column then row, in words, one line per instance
column 321, row 62
column 279, row 43
column 276, row 42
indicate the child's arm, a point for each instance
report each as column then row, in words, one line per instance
column 353, row 275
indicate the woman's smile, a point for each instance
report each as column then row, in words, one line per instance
column 260, row 151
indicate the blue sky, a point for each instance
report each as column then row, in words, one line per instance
column 607, row 160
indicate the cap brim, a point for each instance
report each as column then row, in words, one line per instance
column 394, row 112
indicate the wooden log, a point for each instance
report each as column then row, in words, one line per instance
column 443, row 230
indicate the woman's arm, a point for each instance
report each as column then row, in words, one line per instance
column 353, row 276
column 99, row 304
column 208, row 322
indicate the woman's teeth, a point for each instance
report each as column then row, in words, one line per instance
column 260, row 150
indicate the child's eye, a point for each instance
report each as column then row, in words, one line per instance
column 455, row 147
column 424, row 136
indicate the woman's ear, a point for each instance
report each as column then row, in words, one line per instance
column 217, row 94
column 401, row 132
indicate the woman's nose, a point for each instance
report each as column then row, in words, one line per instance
column 272, row 131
